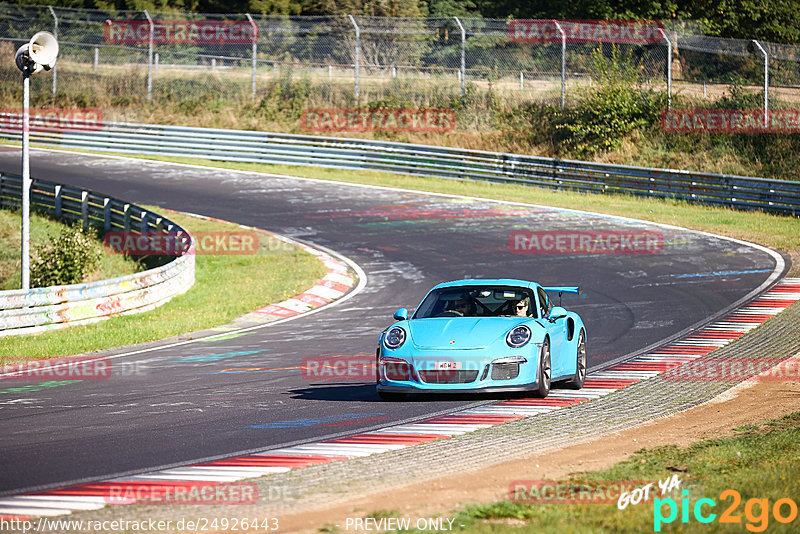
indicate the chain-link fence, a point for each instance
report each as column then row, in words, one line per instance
column 140, row 56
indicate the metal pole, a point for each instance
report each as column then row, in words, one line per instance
column 463, row 71
column 766, row 82
column 55, row 34
column 563, row 63
column 255, row 49
column 96, row 57
column 669, row 68
column 358, row 53
column 26, row 183
column 149, row 58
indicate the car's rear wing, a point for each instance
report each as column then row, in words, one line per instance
column 563, row 289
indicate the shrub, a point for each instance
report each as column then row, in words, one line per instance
column 616, row 107
column 67, row 258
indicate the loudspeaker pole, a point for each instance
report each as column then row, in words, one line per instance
column 26, row 180
column 39, row 53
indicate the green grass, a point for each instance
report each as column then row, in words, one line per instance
column 226, row 287
column 759, row 462
column 42, row 229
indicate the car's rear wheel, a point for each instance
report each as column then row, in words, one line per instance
column 544, row 374
column 576, row 382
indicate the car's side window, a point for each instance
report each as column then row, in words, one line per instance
column 544, row 303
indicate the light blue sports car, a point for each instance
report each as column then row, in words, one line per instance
column 482, row 336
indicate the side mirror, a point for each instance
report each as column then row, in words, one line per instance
column 401, row 314
column 557, row 312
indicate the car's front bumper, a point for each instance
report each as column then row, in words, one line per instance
column 436, row 389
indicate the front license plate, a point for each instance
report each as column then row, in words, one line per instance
column 448, row 366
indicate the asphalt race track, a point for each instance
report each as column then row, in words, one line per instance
column 179, row 406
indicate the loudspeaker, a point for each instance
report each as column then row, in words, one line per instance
column 43, row 49
column 39, row 53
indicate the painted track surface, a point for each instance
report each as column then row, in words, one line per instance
column 182, row 409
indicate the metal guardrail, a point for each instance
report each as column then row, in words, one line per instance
column 741, row 192
column 28, row 312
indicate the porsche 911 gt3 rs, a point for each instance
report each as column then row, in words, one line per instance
column 482, row 336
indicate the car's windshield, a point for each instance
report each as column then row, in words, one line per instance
column 477, row 301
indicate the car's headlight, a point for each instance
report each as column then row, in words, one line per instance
column 518, row 336
column 395, row 337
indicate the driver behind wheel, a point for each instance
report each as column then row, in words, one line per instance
column 465, row 308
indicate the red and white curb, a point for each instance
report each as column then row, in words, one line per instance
column 95, row 495
column 333, row 286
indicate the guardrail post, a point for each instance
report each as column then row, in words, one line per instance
column 85, row 208
column 766, row 82
column 143, row 222
column 563, row 63
column 357, row 54
column 96, row 58
column 55, row 34
column 149, row 57
column 669, row 69
column 255, row 48
column 106, row 214
column 126, row 217
column 58, row 200
column 463, row 71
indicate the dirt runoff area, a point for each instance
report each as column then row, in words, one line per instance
column 749, row 402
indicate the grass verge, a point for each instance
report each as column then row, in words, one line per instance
column 42, row 229
column 226, row 287
column 759, row 462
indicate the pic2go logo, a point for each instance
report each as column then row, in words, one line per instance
column 756, row 511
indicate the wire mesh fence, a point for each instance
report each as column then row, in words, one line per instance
column 140, row 56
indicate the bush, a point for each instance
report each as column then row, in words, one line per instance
column 67, row 258
column 607, row 113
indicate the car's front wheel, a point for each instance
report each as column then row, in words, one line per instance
column 576, row 382
column 544, row 374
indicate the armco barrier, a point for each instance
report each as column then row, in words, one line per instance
column 740, row 192
column 27, row 312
